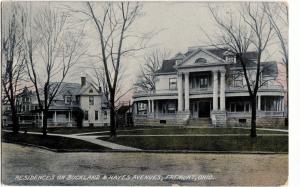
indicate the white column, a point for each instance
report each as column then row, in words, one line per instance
column 134, row 107
column 149, row 107
column 186, row 92
column 215, row 90
column 69, row 116
column 222, row 91
column 259, row 103
column 179, row 91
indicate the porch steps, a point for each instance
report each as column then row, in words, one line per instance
column 203, row 122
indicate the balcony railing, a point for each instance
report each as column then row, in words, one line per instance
column 244, row 88
column 205, row 90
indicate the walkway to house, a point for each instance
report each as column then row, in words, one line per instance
column 91, row 139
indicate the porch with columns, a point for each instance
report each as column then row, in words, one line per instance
column 218, row 114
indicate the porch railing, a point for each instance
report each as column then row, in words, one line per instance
column 155, row 116
column 258, row 114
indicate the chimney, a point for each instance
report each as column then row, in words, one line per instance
column 83, row 81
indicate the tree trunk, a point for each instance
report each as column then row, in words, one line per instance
column 253, row 116
column 113, row 128
column 45, row 118
column 15, row 119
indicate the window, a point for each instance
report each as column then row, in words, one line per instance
column 172, row 83
column 96, row 115
column 91, row 90
column 239, row 107
column 171, row 108
column 230, row 58
column 271, row 103
column 86, row 115
column 105, row 114
column 237, row 80
column 203, row 82
column 68, row 99
column 201, row 60
column 91, row 100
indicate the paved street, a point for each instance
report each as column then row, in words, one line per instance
column 22, row 165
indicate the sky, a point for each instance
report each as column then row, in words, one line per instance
column 177, row 24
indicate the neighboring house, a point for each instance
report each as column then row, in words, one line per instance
column 208, row 85
column 73, row 102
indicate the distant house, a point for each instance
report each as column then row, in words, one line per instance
column 208, row 85
column 73, row 104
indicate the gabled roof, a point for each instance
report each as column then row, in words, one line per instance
column 196, row 51
column 84, row 89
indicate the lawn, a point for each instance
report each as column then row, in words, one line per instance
column 182, row 130
column 52, row 142
column 75, row 130
column 206, row 143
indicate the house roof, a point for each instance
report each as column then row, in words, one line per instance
column 72, row 89
column 269, row 68
column 167, row 66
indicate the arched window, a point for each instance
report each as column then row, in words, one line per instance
column 201, row 60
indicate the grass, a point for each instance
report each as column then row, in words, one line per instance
column 178, row 130
column 52, row 142
column 206, row 143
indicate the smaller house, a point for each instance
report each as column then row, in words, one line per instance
column 74, row 104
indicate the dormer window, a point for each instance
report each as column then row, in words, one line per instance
column 201, row 60
column 230, row 58
column 68, row 99
column 177, row 62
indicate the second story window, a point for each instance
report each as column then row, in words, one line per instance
column 91, row 100
column 172, row 83
column 236, row 80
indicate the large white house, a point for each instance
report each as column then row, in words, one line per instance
column 73, row 103
column 207, row 86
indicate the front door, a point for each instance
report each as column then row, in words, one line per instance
column 204, row 109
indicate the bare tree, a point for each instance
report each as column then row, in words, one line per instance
column 251, row 29
column 52, row 52
column 13, row 59
column 278, row 15
column 152, row 63
column 113, row 22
